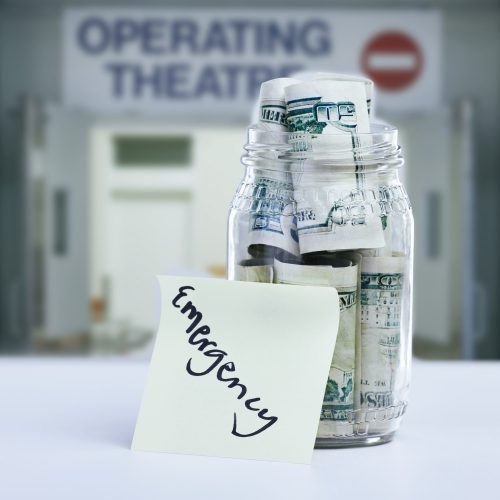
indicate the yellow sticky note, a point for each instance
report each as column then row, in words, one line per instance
column 238, row 370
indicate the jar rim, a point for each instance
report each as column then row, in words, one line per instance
column 272, row 150
column 377, row 129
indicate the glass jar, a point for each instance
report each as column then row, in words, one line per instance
column 317, row 210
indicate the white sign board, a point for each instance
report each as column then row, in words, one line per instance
column 207, row 62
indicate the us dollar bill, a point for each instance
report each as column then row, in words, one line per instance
column 333, row 114
column 274, row 223
column 256, row 270
column 382, row 281
column 321, row 258
column 367, row 83
column 327, row 107
column 323, row 75
column 271, row 107
column 341, row 273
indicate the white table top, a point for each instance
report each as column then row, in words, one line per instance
column 66, row 427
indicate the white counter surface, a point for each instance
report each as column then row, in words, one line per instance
column 66, row 427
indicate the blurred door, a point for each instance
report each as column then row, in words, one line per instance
column 123, row 201
column 148, row 235
column 65, row 221
column 141, row 211
column 438, row 178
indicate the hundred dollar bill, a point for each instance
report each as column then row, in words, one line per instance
column 327, row 107
column 256, row 270
column 274, row 223
column 368, row 84
column 382, row 280
column 338, row 402
column 333, row 114
column 322, row 75
column 323, row 258
column 272, row 105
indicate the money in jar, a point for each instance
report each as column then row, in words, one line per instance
column 321, row 203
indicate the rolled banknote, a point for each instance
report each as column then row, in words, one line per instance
column 270, row 110
column 323, row 75
column 256, row 270
column 274, row 223
column 337, row 216
column 327, row 106
column 382, row 280
column 324, row 258
column 338, row 402
column 368, row 84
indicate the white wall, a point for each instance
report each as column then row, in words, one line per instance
column 30, row 51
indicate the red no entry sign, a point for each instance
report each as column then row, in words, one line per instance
column 392, row 59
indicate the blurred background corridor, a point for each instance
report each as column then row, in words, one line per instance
column 121, row 128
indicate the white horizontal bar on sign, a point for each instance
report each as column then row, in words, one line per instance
column 403, row 61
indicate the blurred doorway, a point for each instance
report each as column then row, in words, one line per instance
column 141, row 212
